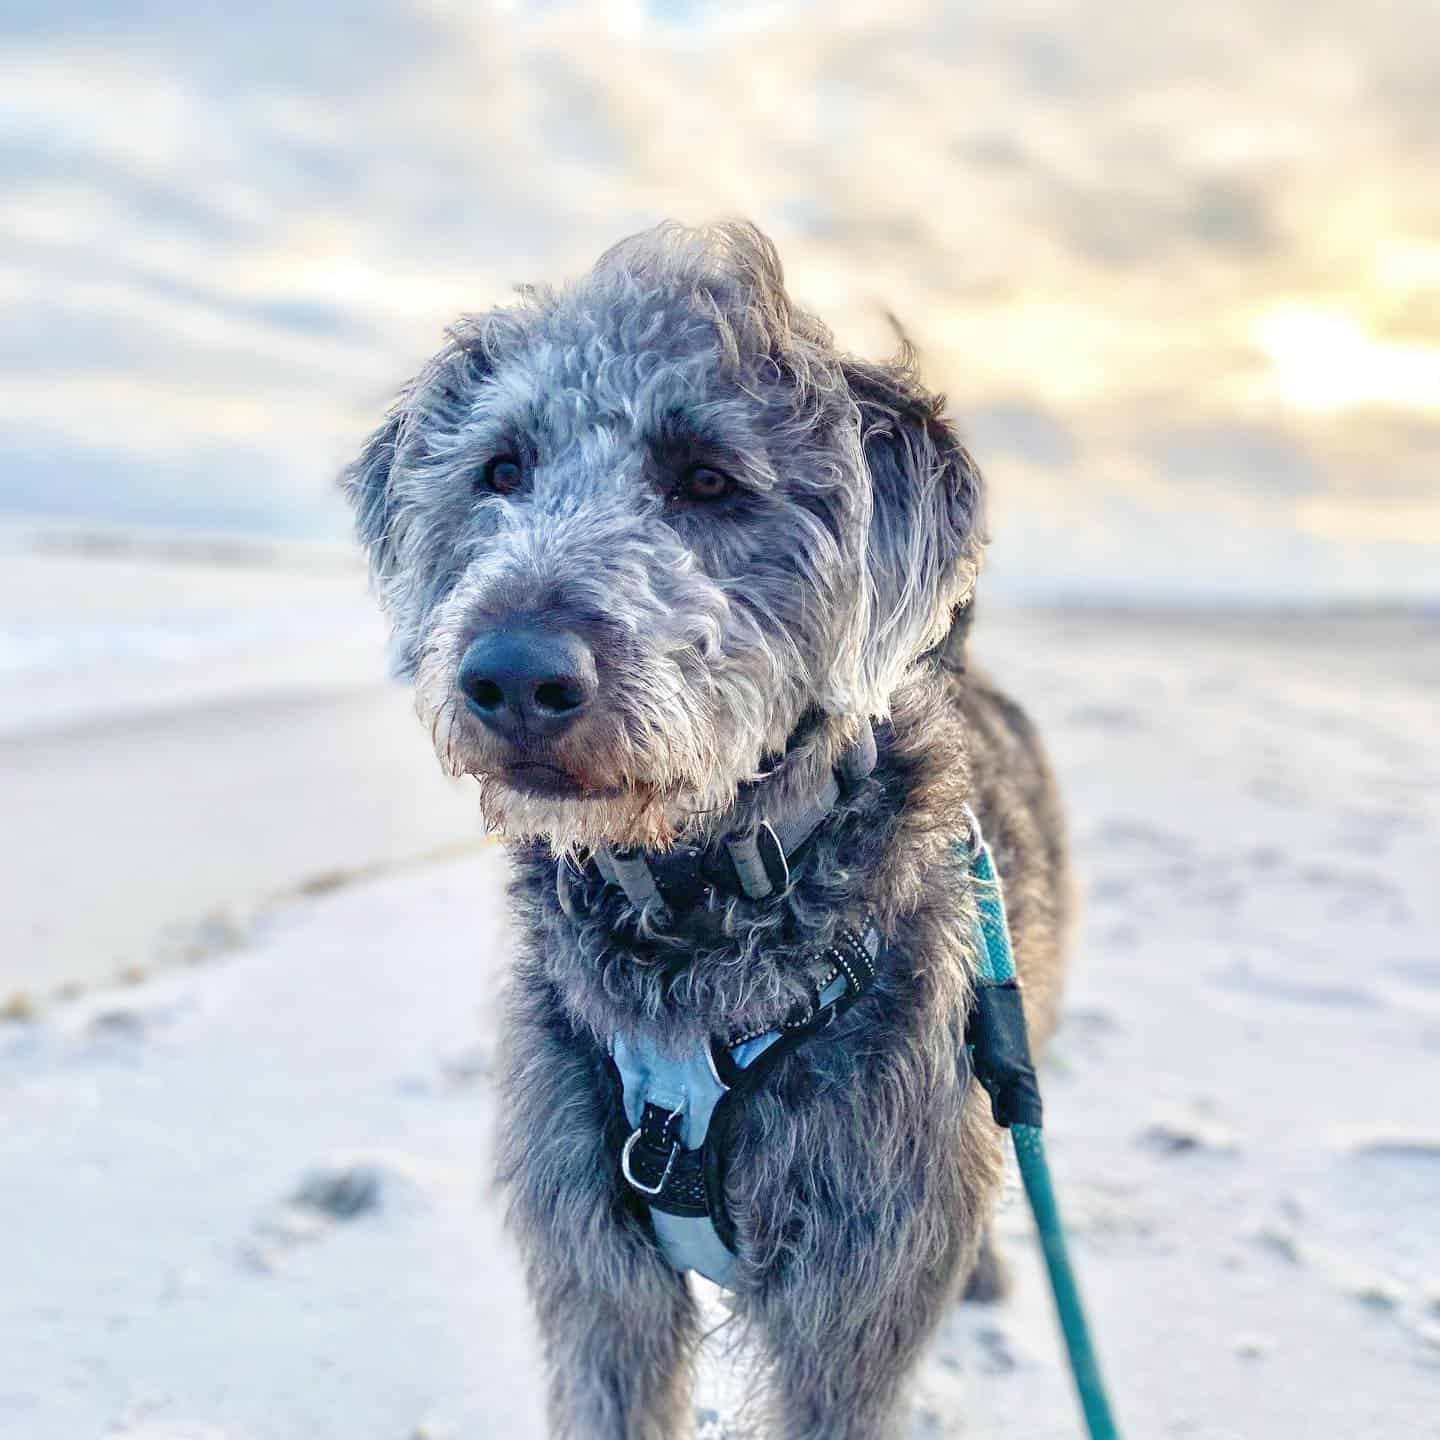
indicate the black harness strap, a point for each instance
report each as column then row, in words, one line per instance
column 660, row 1170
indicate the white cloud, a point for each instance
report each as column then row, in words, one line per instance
column 1116, row 219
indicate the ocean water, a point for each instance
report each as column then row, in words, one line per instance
column 92, row 629
column 77, row 643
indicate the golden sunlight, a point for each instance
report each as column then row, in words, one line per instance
column 1324, row 360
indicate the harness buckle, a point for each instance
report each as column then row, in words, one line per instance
column 629, row 1174
column 772, row 855
column 568, row 879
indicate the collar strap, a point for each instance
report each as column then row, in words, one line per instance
column 754, row 863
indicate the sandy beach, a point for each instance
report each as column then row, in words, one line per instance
column 247, row 1199
column 152, row 838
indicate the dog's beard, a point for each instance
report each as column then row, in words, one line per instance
column 638, row 817
column 649, row 794
column 672, row 740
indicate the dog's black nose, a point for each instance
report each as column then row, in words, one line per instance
column 525, row 681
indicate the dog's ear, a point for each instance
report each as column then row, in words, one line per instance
column 925, row 538
column 433, row 403
column 365, row 483
column 402, row 487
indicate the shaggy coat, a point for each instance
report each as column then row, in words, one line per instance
column 741, row 630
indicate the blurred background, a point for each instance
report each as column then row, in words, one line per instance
column 1178, row 271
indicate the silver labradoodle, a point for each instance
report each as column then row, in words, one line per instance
column 660, row 560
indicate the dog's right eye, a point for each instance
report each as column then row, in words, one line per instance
column 501, row 474
column 704, row 483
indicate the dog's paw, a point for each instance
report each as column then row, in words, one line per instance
column 989, row 1281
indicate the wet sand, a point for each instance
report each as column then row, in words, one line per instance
column 146, row 838
column 186, row 731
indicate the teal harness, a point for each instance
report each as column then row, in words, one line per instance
column 672, row 1102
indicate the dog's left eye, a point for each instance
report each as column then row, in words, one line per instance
column 502, row 474
column 702, row 482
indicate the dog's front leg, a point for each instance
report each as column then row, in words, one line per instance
column 873, row 1234
column 618, row 1324
column 840, row 1360
column 619, row 1335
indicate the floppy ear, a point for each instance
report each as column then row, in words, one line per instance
column 365, row 483
column 427, row 408
column 925, row 539
column 404, row 489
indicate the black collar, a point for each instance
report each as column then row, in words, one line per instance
column 754, row 863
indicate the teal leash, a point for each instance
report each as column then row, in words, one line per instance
column 1002, row 1064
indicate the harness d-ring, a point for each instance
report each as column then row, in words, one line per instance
column 629, row 1174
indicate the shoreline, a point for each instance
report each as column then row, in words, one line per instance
column 134, row 843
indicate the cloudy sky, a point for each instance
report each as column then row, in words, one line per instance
column 1179, row 272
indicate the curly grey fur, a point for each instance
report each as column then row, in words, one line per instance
column 861, row 1176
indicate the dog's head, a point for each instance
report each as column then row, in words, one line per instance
column 628, row 533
